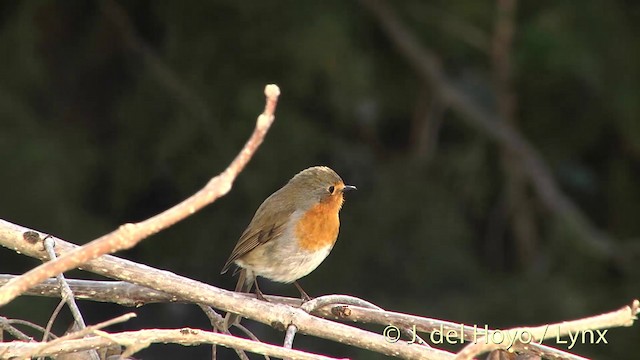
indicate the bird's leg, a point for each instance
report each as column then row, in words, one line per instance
column 305, row 296
column 259, row 293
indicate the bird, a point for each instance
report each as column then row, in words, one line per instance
column 291, row 233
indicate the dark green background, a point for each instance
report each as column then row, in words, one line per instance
column 112, row 112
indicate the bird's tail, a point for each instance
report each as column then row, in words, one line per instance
column 244, row 285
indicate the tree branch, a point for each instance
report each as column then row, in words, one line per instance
column 7, row 325
column 140, row 339
column 278, row 312
column 622, row 317
column 128, row 235
column 274, row 314
column 117, row 292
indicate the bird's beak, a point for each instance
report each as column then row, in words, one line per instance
column 349, row 188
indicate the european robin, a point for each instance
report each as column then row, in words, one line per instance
column 291, row 233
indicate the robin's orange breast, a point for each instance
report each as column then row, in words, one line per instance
column 319, row 226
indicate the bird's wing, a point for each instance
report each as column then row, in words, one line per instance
column 265, row 226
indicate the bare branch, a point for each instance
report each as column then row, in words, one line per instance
column 81, row 333
column 273, row 314
column 217, row 323
column 289, row 336
column 346, row 310
column 6, row 325
column 139, row 339
column 52, row 318
column 341, row 309
column 276, row 310
column 320, row 302
column 622, row 317
column 128, row 235
column 117, row 292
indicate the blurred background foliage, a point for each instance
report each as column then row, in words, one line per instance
column 113, row 111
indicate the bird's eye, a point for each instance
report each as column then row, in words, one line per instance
column 331, row 189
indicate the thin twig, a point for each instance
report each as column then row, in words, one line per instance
column 289, row 336
column 246, row 331
column 128, row 235
column 53, row 317
column 215, row 319
column 26, row 323
column 5, row 325
column 44, row 346
column 250, row 335
column 217, row 322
